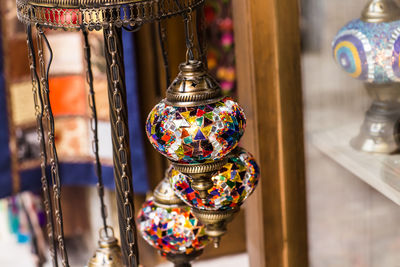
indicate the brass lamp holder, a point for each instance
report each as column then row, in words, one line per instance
column 215, row 222
column 377, row 133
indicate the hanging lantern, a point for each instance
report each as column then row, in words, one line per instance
column 108, row 254
column 232, row 185
column 195, row 127
column 368, row 49
column 168, row 225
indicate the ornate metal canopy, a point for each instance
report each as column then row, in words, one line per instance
column 98, row 14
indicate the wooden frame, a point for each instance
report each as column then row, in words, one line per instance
column 269, row 80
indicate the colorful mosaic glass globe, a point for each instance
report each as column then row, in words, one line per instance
column 233, row 183
column 369, row 51
column 172, row 230
column 196, row 134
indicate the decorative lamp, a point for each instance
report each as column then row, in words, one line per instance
column 232, row 185
column 195, row 127
column 368, row 49
column 168, row 225
column 111, row 16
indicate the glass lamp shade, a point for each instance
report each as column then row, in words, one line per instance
column 232, row 184
column 369, row 51
column 199, row 134
column 172, row 230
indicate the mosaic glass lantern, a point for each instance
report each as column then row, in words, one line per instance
column 368, row 49
column 168, row 225
column 195, row 126
column 232, row 185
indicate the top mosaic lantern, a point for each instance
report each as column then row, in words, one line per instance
column 194, row 124
column 369, row 48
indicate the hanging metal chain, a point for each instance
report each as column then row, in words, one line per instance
column 39, row 112
column 189, row 35
column 54, row 165
column 94, row 129
column 120, row 139
column 162, row 36
column 201, row 34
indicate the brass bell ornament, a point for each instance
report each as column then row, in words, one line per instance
column 108, row 253
column 168, row 225
column 368, row 49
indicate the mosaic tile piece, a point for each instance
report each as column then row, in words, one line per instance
column 196, row 134
column 368, row 51
column 236, row 180
column 173, row 230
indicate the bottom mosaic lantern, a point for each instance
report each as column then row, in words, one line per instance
column 170, row 226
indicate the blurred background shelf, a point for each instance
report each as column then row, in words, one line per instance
column 380, row 171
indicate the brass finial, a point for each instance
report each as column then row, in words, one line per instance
column 378, row 11
column 193, row 86
column 215, row 221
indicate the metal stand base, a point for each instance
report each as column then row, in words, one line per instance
column 377, row 133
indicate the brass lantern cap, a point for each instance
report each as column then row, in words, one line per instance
column 193, row 86
column 378, row 11
column 164, row 195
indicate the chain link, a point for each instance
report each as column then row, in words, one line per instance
column 39, row 111
column 201, row 34
column 49, row 120
column 121, row 142
column 162, row 36
column 94, row 129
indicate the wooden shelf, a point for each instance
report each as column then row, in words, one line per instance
column 380, row 171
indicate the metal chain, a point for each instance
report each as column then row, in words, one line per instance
column 189, row 35
column 94, row 129
column 201, row 34
column 54, row 165
column 162, row 36
column 121, row 141
column 39, row 111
